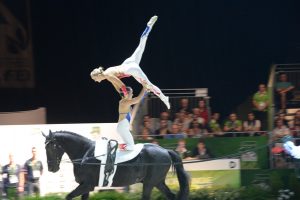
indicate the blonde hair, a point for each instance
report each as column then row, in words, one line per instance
column 101, row 69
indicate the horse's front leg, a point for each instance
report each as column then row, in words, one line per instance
column 80, row 190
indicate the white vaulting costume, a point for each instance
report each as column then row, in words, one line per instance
column 123, row 129
column 130, row 67
column 292, row 149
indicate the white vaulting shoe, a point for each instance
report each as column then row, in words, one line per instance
column 166, row 101
column 152, row 21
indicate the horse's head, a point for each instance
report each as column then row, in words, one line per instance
column 54, row 152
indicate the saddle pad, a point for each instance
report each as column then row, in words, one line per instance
column 121, row 156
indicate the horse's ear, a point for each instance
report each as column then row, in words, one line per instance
column 50, row 133
column 44, row 134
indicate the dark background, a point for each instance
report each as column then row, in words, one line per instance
column 224, row 45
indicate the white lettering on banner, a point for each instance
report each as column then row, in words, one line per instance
column 221, row 164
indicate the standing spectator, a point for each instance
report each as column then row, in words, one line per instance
column 163, row 130
column 1, row 183
column 203, row 110
column 11, row 177
column 214, row 125
column 184, row 106
column 283, row 91
column 182, row 150
column 33, row 169
column 252, row 126
column 201, row 151
column 261, row 103
column 232, row 126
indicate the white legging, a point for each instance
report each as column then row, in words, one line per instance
column 123, row 129
column 131, row 67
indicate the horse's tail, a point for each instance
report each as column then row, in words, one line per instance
column 182, row 176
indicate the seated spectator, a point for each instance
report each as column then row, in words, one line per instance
column 203, row 110
column 181, row 128
column 295, row 131
column 281, row 116
column 214, row 125
column 175, row 133
column 280, row 130
column 252, row 126
column 296, row 120
column 163, row 129
column 261, row 103
column 232, row 126
column 196, row 130
column 146, row 134
column 184, row 119
column 147, row 123
column 182, row 150
column 196, row 116
column 283, row 91
column 201, row 151
column 164, row 116
column 184, row 106
column 154, row 141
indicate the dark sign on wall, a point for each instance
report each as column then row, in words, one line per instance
column 16, row 59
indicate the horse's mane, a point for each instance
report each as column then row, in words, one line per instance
column 73, row 134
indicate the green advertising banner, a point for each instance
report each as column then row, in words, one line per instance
column 215, row 174
column 209, row 179
column 253, row 151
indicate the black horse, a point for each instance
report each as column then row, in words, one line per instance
column 134, row 171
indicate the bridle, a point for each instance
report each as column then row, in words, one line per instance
column 55, row 147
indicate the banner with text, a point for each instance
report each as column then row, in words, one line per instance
column 16, row 57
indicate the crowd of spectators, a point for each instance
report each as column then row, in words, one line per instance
column 186, row 121
column 197, row 122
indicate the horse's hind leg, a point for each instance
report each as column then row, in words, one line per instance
column 147, row 189
column 166, row 190
column 85, row 196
